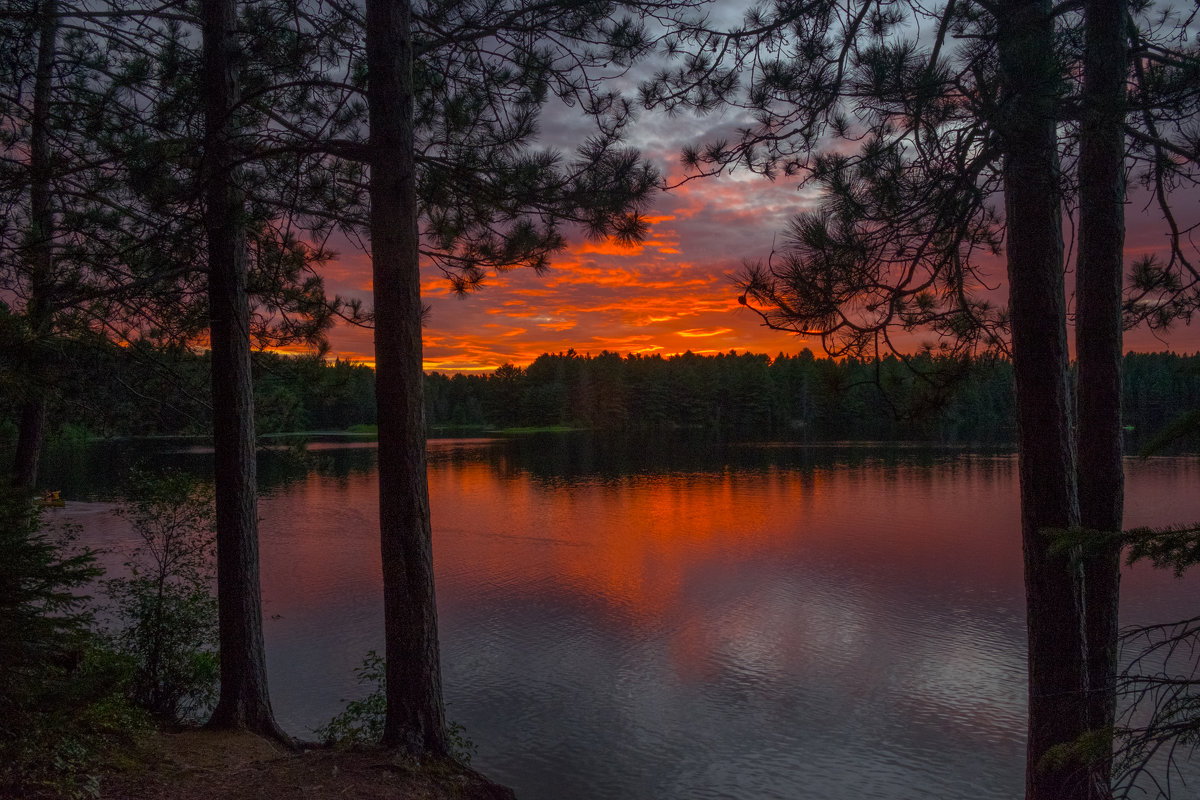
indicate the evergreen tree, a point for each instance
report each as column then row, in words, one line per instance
column 1098, row 335
column 460, row 86
column 243, row 700
column 944, row 122
column 78, row 246
column 61, row 700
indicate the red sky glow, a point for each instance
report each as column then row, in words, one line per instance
column 669, row 294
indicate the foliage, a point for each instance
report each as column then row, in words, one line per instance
column 898, row 117
column 1158, row 687
column 1175, row 547
column 165, row 605
column 1090, row 748
column 1160, row 684
column 63, row 706
column 748, row 392
column 1160, row 693
column 1185, row 426
column 462, row 748
column 361, row 723
column 102, row 235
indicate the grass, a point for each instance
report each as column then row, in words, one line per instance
column 540, row 429
column 483, row 428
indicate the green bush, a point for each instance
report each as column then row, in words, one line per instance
column 72, row 435
column 63, row 706
column 166, row 608
column 361, row 723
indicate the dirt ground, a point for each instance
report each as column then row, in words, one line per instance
column 207, row 765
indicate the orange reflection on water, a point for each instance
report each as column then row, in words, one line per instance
column 642, row 550
column 637, row 542
column 868, row 577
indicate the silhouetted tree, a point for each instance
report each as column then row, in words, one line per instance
column 40, row 240
column 454, row 92
column 415, row 716
column 243, row 699
column 944, row 122
column 1098, row 332
column 76, row 237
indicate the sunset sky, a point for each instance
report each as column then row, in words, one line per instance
column 669, row 295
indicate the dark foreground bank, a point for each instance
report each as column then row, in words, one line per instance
column 201, row 765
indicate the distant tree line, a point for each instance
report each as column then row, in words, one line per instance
column 130, row 391
column 106, row 391
column 744, row 393
column 801, row 393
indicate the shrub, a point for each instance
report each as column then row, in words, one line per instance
column 165, row 606
column 361, row 723
column 63, row 707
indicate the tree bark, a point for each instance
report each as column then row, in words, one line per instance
column 1098, row 345
column 243, row 700
column 415, row 716
column 31, row 433
column 1034, row 247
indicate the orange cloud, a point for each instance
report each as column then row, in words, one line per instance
column 607, row 247
column 601, row 296
column 699, row 334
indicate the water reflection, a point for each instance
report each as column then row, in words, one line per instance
column 692, row 618
column 755, row 629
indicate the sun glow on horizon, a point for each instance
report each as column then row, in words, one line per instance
column 672, row 290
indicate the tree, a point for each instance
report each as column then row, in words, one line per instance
column 32, row 232
column 946, row 114
column 135, row 72
column 1159, row 724
column 62, row 702
column 415, row 718
column 1163, row 102
column 1057, row 656
column 41, row 235
column 1098, row 329
column 243, row 699
column 165, row 604
column 80, row 245
column 453, row 94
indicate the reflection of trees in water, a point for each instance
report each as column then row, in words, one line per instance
column 283, row 466
column 564, row 459
column 98, row 470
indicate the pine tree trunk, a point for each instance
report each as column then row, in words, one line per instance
column 32, row 430
column 31, row 433
column 1098, row 343
column 243, row 700
column 1053, row 589
column 415, row 717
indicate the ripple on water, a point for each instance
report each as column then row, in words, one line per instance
column 817, row 628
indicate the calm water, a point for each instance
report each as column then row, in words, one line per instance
column 674, row 619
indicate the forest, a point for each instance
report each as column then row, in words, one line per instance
column 109, row 392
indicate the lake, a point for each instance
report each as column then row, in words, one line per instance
column 672, row 617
